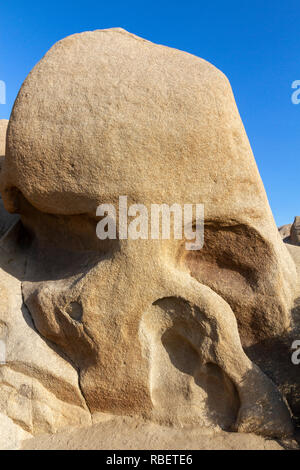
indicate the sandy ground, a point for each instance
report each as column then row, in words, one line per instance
column 120, row 433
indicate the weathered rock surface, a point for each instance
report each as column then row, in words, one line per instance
column 6, row 219
column 295, row 231
column 11, row 434
column 285, row 231
column 106, row 114
column 274, row 355
column 39, row 390
column 113, row 114
column 290, row 233
column 3, row 128
column 132, row 434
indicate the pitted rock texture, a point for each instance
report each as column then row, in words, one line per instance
column 39, row 390
column 295, row 231
column 152, row 329
column 6, row 219
column 290, row 233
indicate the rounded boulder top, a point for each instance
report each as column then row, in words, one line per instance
column 107, row 113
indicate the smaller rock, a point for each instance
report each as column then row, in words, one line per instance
column 6, row 219
column 285, row 231
column 295, row 231
column 290, row 233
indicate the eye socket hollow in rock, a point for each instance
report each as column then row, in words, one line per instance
column 74, row 309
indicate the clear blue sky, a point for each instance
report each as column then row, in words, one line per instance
column 255, row 43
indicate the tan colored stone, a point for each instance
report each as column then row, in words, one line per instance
column 6, row 219
column 274, row 355
column 30, row 403
column 3, row 128
column 290, row 233
column 38, row 388
column 295, row 231
column 133, row 434
column 285, row 231
column 111, row 114
column 106, row 114
column 11, row 434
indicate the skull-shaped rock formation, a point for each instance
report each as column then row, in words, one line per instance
column 153, row 329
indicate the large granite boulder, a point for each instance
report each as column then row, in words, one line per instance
column 107, row 114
